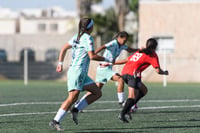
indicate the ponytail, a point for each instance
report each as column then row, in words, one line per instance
column 84, row 25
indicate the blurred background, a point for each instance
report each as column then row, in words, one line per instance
column 42, row 27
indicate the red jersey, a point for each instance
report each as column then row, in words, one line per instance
column 138, row 62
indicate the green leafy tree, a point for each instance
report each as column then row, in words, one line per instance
column 105, row 25
column 134, row 5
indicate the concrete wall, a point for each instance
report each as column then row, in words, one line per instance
column 180, row 20
column 40, row 43
column 7, row 26
column 30, row 25
column 13, row 44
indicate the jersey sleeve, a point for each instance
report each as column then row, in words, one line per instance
column 90, row 44
column 124, row 47
column 71, row 41
column 155, row 61
column 109, row 44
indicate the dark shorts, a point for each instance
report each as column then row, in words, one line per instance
column 132, row 81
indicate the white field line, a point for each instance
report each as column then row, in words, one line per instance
column 21, row 114
column 28, row 103
column 102, row 110
column 142, row 101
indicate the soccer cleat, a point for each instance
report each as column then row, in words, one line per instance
column 55, row 125
column 74, row 115
column 128, row 115
column 121, row 104
column 134, row 108
column 122, row 117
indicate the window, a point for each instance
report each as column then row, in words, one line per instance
column 31, row 54
column 41, row 27
column 165, row 43
column 54, row 27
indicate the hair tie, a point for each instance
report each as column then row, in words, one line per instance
column 90, row 24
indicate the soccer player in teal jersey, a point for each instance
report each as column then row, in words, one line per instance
column 112, row 51
column 82, row 46
column 104, row 70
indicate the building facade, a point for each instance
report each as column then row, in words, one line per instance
column 39, row 30
column 177, row 22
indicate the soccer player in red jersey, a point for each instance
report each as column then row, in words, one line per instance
column 131, row 74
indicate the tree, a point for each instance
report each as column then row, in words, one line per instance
column 122, row 8
column 84, row 6
column 105, row 25
column 134, row 5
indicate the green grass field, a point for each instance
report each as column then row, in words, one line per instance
column 28, row 109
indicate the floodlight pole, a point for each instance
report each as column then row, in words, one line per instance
column 25, row 67
column 165, row 66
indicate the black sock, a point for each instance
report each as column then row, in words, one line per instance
column 140, row 95
column 74, row 109
column 54, row 121
column 129, row 103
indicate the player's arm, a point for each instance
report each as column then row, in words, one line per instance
column 119, row 62
column 100, row 49
column 161, row 72
column 131, row 50
column 155, row 63
column 62, row 56
column 94, row 56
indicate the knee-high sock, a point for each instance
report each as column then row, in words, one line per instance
column 120, row 96
column 81, row 104
column 60, row 115
column 129, row 103
column 140, row 95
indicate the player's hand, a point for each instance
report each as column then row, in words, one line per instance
column 166, row 72
column 59, row 68
column 106, row 64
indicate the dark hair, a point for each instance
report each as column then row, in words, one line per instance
column 84, row 22
column 151, row 45
column 121, row 34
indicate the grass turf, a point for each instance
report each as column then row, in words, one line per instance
column 183, row 118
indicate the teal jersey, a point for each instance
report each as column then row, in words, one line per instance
column 113, row 49
column 80, row 58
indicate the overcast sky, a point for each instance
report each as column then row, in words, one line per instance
column 66, row 4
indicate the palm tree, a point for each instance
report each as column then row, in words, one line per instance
column 105, row 25
column 122, row 8
column 84, row 6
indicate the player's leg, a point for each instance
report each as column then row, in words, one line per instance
column 99, row 85
column 95, row 93
column 128, row 104
column 74, row 85
column 120, row 88
column 72, row 97
column 142, row 92
column 100, row 81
